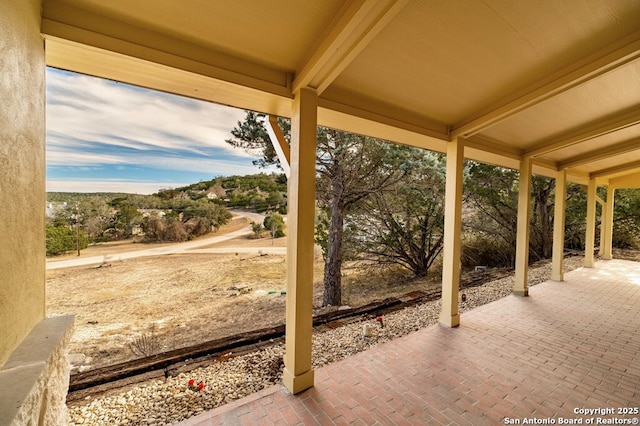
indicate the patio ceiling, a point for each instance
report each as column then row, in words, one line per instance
column 555, row 81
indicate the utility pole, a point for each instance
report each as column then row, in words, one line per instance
column 78, row 227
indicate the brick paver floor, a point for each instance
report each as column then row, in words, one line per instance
column 570, row 346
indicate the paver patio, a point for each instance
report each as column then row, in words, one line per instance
column 571, row 345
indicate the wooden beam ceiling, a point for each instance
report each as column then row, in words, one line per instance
column 358, row 24
column 601, row 154
column 593, row 66
column 62, row 22
column 621, row 168
column 590, row 131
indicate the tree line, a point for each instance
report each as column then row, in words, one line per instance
column 384, row 202
column 91, row 220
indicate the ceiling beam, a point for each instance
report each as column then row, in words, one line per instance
column 628, row 181
column 358, row 23
column 601, row 154
column 621, row 168
column 370, row 109
column 549, row 165
column 99, row 63
column 66, row 24
column 605, row 60
column 590, row 131
column 492, row 147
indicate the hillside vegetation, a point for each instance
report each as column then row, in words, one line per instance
column 170, row 215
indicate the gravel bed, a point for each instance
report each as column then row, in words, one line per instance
column 168, row 401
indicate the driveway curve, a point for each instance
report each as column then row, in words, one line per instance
column 190, row 246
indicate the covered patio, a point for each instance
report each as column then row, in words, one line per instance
column 545, row 87
column 571, row 346
column 549, row 88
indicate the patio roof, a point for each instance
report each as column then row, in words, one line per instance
column 554, row 81
column 574, row 346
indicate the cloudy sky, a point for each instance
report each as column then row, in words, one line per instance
column 104, row 136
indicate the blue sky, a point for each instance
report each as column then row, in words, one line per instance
column 104, row 136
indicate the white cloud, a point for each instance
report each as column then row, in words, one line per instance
column 104, row 136
column 81, row 159
column 107, row 186
column 83, row 110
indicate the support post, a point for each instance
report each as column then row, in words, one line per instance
column 521, row 287
column 298, row 373
column 607, row 224
column 558, row 226
column 603, row 223
column 449, row 315
column 591, row 224
column 603, row 218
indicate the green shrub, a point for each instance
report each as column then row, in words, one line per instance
column 62, row 239
column 257, row 229
column 274, row 223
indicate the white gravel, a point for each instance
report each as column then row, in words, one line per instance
column 165, row 402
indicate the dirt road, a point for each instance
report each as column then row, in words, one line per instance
column 167, row 249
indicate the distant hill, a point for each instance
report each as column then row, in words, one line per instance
column 260, row 192
column 69, row 197
column 265, row 182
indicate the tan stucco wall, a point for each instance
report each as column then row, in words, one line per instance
column 22, row 172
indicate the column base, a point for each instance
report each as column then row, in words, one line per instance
column 559, row 277
column 35, row 379
column 297, row 384
column 450, row 321
column 521, row 292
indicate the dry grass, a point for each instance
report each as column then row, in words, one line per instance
column 188, row 298
column 363, row 283
column 628, row 254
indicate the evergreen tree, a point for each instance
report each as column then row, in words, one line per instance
column 405, row 225
column 349, row 168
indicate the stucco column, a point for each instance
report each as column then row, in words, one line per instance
column 603, row 223
column 22, row 172
column 591, row 224
column 558, row 226
column 521, row 287
column 298, row 374
column 34, row 367
column 449, row 315
column 607, row 224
